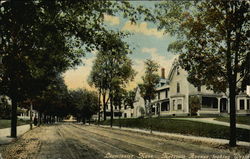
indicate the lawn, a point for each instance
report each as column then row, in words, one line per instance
column 239, row 119
column 182, row 127
column 6, row 123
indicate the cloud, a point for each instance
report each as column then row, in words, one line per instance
column 143, row 29
column 112, row 20
column 78, row 77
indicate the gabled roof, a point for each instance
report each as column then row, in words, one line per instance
column 173, row 69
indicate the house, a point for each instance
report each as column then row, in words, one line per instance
column 174, row 94
column 139, row 104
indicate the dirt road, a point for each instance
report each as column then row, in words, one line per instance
column 71, row 141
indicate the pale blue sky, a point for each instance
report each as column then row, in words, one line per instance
column 147, row 41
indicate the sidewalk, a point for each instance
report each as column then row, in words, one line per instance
column 180, row 137
column 4, row 133
column 212, row 121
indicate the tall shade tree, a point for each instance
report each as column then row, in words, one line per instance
column 42, row 38
column 213, row 42
column 84, row 104
column 112, row 68
column 150, row 80
column 52, row 101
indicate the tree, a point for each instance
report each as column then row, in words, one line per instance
column 213, row 39
column 129, row 99
column 52, row 101
column 5, row 108
column 150, row 80
column 84, row 104
column 112, row 68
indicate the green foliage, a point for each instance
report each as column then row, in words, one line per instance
column 182, row 127
column 5, row 108
column 83, row 103
column 150, row 80
column 112, row 69
column 212, row 39
column 53, row 100
column 130, row 99
column 194, row 104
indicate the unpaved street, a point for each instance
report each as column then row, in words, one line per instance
column 71, row 141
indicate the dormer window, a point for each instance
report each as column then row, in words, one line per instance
column 177, row 71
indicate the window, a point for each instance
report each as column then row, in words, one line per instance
column 242, row 104
column 166, row 93
column 177, row 71
column 210, row 102
column 115, row 107
column 179, row 104
column 178, row 88
column 131, row 114
column 165, row 106
column 248, row 104
column 159, row 95
column 125, row 115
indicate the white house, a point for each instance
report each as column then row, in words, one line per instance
column 174, row 93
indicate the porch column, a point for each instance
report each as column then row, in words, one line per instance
column 245, row 105
column 160, row 109
column 170, row 105
column 237, row 104
column 228, row 105
column 218, row 104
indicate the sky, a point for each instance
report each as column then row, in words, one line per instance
column 147, row 43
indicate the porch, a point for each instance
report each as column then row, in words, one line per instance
column 213, row 105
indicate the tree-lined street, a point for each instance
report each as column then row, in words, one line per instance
column 41, row 41
column 84, row 141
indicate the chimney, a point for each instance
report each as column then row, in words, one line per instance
column 163, row 73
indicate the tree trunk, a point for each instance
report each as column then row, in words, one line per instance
column 99, row 107
column 31, row 114
column 39, row 118
column 13, row 118
column 150, row 115
column 120, row 116
column 112, row 111
column 104, row 105
column 232, row 95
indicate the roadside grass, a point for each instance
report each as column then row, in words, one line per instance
column 239, row 119
column 181, row 127
column 7, row 123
